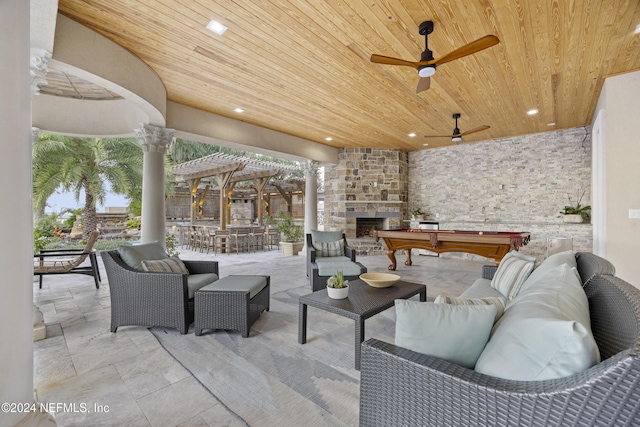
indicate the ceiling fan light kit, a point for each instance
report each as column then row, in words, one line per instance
column 427, row 71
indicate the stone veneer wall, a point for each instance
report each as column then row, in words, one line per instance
column 510, row 184
column 366, row 182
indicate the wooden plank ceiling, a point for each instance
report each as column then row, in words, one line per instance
column 302, row 67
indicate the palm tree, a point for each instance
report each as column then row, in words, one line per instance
column 86, row 164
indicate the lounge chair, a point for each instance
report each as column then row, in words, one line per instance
column 67, row 261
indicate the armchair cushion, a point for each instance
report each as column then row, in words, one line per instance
column 456, row 333
column 198, row 281
column 329, row 249
column 333, row 259
column 348, row 268
column 170, row 265
column 133, row 255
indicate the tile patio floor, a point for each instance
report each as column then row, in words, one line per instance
column 80, row 361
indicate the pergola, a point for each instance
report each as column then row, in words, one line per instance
column 229, row 170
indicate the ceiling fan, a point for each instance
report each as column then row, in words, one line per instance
column 427, row 65
column 457, row 136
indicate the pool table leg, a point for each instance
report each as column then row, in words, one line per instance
column 392, row 257
column 408, row 262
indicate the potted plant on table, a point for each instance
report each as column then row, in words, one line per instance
column 337, row 287
column 576, row 213
column 292, row 232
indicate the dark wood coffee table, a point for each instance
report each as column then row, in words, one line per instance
column 363, row 302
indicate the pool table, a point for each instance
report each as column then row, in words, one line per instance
column 490, row 244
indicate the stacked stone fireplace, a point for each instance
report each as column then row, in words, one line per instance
column 366, row 191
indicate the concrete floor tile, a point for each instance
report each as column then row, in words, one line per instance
column 188, row 395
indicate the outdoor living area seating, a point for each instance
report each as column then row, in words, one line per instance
column 149, row 288
column 68, row 261
column 540, row 365
column 327, row 253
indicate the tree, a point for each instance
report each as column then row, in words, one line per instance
column 86, row 164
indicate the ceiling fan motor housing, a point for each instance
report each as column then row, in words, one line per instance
column 426, row 28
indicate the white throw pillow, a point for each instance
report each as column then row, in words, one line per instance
column 457, row 333
column 511, row 273
column 545, row 333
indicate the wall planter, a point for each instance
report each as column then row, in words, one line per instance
column 572, row 218
column 291, row 248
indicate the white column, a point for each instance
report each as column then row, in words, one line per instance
column 154, row 141
column 16, row 248
column 310, row 199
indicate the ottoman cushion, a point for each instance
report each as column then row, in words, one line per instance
column 240, row 283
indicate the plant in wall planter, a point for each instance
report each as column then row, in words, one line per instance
column 337, row 287
column 292, row 232
column 576, row 213
column 418, row 214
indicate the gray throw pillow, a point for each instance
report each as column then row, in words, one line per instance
column 456, row 333
column 133, row 255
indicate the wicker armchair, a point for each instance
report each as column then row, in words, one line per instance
column 403, row 388
column 347, row 261
column 151, row 298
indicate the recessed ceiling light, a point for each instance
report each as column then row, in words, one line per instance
column 637, row 29
column 425, row 144
column 411, row 135
column 532, row 112
column 551, row 124
column 239, row 110
column 328, row 138
column 216, row 27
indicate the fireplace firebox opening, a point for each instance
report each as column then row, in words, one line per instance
column 366, row 226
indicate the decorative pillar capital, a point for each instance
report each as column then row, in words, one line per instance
column 154, row 139
column 310, row 167
column 38, row 68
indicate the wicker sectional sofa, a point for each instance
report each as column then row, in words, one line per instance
column 401, row 387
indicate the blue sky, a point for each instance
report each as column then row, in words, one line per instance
column 60, row 200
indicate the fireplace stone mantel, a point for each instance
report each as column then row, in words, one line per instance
column 375, row 202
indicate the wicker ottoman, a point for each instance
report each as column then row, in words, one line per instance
column 233, row 302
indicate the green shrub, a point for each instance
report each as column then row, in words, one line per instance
column 39, row 242
column 45, row 226
column 133, row 223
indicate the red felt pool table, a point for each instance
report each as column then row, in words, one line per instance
column 490, row 244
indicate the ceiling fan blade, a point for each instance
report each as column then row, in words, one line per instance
column 468, row 49
column 423, row 84
column 439, row 136
column 379, row 59
column 478, row 129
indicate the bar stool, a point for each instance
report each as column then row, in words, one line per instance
column 220, row 240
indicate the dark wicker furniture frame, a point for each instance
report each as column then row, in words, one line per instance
column 402, row 388
column 151, row 298
column 320, row 282
column 231, row 310
column 364, row 301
